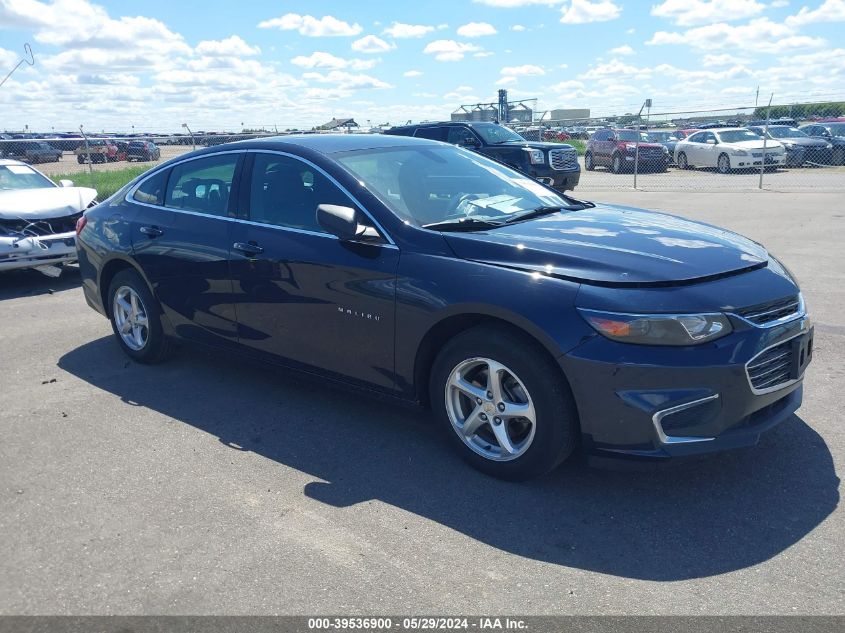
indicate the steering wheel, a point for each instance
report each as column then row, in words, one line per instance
column 467, row 197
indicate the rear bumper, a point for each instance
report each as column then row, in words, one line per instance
column 31, row 252
column 678, row 402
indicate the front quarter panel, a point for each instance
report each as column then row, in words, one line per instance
column 431, row 289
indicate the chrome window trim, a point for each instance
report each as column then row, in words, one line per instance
column 783, row 385
column 130, row 197
column 657, row 419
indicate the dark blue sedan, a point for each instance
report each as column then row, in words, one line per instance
column 529, row 321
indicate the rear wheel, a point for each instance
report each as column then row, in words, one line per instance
column 723, row 165
column 80, row 159
column 504, row 405
column 134, row 315
column 589, row 165
column 839, row 156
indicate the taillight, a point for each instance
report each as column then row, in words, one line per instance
column 80, row 224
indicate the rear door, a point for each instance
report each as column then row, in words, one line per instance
column 300, row 293
column 602, row 147
column 181, row 236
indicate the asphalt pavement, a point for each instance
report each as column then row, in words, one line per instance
column 214, row 485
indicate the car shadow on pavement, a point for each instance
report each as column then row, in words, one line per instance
column 690, row 520
column 28, row 282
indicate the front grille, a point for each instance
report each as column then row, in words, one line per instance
column 563, row 159
column 764, row 313
column 39, row 228
column 771, row 368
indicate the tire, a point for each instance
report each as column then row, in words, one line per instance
column 156, row 346
column 682, row 161
column 589, row 165
column 838, row 156
column 616, row 164
column 80, row 159
column 528, row 375
column 723, row 164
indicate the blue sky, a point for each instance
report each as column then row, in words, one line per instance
column 217, row 65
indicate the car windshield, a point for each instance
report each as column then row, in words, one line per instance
column 662, row 137
column 426, row 185
column 837, row 129
column 786, row 132
column 493, row 134
column 22, row 177
column 738, row 136
column 631, row 136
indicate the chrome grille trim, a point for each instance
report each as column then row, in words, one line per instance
column 773, row 313
column 563, row 159
column 776, row 368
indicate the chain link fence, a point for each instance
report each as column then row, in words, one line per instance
column 783, row 149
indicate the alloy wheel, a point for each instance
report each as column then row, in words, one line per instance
column 130, row 318
column 490, row 409
column 724, row 164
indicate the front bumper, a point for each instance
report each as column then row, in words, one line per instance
column 675, row 402
column 31, row 252
column 562, row 181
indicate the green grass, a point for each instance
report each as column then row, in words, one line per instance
column 105, row 182
column 579, row 145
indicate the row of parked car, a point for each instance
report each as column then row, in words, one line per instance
column 722, row 148
column 95, row 151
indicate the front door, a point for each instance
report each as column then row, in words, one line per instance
column 301, row 293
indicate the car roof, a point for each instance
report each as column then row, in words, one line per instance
column 331, row 143
column 9, row 161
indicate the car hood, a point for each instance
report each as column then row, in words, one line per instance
column 534, row 145
column 611, row 245
column 49, row 202
column 803, row 142
column 770, row 144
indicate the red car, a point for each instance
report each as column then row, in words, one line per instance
column 618, row 149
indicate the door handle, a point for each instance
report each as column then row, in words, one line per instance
column 248, row 248
column 151, row 231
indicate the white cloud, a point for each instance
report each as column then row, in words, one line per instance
column 483, row 54
column 524, row 70
column 321, row 59
column 346, row 81
column 449, row 50
column 399, row 30
column 504, row 81
column 828, row 11
column 371, row 44
column 308, row 25
column 723, row 59
column 621, row 50
column 692, row 12
column 233, row 45
column 761, row 35
column 585, row 11
column 567, row 86
column 518, row 28
column 476, row 29
column 412, row 73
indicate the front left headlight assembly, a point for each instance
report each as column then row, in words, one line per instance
column 658, row 329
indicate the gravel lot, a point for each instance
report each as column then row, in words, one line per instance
column 215, row 485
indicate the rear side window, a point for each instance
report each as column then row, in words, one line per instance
column 432, row 133
column 202, row 185
column 461, row 136
column 151, row 190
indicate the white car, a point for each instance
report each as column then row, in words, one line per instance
column 727, row 149
column 38, row 218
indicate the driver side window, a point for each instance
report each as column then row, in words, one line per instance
column 461, row 136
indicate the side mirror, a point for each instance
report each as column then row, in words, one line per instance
column 343, row 223
column 65, row 183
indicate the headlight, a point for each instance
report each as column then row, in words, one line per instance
column 828, row 146
column 740, row 152
column 665, row 150
column 630, row 146
column 535, row 156
column 658, row 329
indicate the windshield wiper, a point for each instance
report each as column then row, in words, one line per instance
column 463, row 224
column 541, row 211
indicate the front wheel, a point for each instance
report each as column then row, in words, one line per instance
column 723, row 164
column 504, row 405
column 838, row 156
column 682, row 161
column 134, row 316
column 616, row 165
column 589, row 165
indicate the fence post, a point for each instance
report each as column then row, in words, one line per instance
column 765, row 136
column 88, row 154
